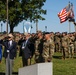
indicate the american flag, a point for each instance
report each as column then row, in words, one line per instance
column 62, row 15
column 65, row 13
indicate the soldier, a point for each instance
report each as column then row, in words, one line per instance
column 57, row 42
column 64, row 41
column 52, row 35
column 38, row 47
column 71, row 45
column 75, row 42
column 47, row 48
column 52, row 38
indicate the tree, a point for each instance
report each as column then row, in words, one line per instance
column 19, row 10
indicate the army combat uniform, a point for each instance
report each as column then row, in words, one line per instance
column 64, row 42
column 71, row 47
column 57, row 43
column 47, row 50
column 38, row 50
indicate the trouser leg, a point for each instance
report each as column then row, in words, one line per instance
column 7, row 66
column 11, row 66
column 23, row 61
column 63, row 53
column 28, row 61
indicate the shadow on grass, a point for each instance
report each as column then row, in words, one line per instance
column 60, row 57
column 14, row 73
column 57, row 57
column 1, row 73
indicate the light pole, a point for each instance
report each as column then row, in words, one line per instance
column 1, row 27
column 7, row 17
column 23, row 27
column 36, row 14
column 45, row 28
column 36, row 25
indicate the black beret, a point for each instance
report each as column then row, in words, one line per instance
column 46, row 33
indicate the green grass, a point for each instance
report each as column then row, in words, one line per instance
column 64, row 67
column 60, row 67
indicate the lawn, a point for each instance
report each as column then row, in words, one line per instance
column 64, row 67
column 60, row 67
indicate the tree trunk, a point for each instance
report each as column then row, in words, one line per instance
column 11, row 28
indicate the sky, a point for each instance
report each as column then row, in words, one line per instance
column 51, row 19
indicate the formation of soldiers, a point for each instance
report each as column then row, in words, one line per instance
column 46, row 43
column 66, row 43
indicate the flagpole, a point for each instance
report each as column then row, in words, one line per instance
column 69, row 27
column 23, row 27
column 75, row 26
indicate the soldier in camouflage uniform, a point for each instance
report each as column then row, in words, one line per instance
column 52, row 35
column 64, row 43
column 47, row 48
column 57, row 42
column 75, row 42
column 52, row 38
column 71, row 45
column 38, row 47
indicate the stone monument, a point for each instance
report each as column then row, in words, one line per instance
column 37, row 69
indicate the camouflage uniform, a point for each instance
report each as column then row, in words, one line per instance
column 53, row 47
column 47, row 50
column 64, row 41
column 75, row 45
column 38, row 50
column 57, row 43
column 52, row 39
column 71, row 46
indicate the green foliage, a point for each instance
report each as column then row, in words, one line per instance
column 19, row 10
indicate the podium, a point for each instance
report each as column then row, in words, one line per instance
column 37, row 69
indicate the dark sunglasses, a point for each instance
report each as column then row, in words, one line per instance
column 9, row 37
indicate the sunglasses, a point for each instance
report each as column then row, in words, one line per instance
column 9, row 37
